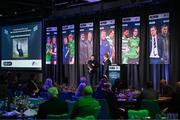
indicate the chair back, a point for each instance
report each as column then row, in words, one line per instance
column 89, row 111
column 66, row 96
column 104, row 112
column 58, row 117
column 138, row 114
column 70, row 106
column 152, row 106
column 90, row 117
column 44, row 95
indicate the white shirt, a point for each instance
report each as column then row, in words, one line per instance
column 154, row 49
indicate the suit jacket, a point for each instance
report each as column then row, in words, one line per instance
column 159, row 45
column 107, row 63
column 53, row 106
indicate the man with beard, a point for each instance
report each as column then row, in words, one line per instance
column 104, row 46
column 83, row 49
column 125, row 39
column 165, row 38
column 90, row 44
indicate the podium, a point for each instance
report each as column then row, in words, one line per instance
column 114, row 73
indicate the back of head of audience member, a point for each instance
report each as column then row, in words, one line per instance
column 163, row 83
column 53, row 92
column 83, row 79
column 149, row 84
column 107, row 87
column 178, row 86
column 88, row 90
column 47, row 84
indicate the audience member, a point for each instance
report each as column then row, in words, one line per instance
column 3, row 87
column 85, row 106
column 33, row 86
column 106, row 93
column 47, row 84
column 174, row 106
column 11, row 84
column 117, row 86
column 80, row 90
column 54, row 106
column 165, row 89
column 149, row 93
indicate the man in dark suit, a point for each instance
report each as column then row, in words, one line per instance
column 54, row 106
column 156, row 47
column 92, row 70
column 20, row 51
column 149, row 93
column 106, row 63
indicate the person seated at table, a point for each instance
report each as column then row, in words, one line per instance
column 80, row 90
column 107, row 94
column 47, row 84
column 165, row 89
column 117, row 86
column 33, row 86
column 54, row 106
column 174, row 105
column 85, row 106
column 149, row 93
column 101, row 83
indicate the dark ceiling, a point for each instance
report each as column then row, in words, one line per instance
column 42, row 8
column 37, row 7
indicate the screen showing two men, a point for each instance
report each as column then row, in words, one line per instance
column 130, row 40
column 159, row 38
column 51, row 45
column 21, row 46
column 85, row 42
column 68, row 48
column 107, row 40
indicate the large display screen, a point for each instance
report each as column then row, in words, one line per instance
column 51, row 45
column 159, row 38
column 85, row 42
column 130, row 40
column 21, row 46
column 68, row 36
column 107, row 39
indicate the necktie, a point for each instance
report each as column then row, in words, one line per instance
column 154, row 42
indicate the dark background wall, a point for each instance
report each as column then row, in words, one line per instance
column 131, row 75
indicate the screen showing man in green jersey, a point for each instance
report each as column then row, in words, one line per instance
column 130, row 40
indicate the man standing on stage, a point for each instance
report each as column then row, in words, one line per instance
column 92, row 70
column 107, row 63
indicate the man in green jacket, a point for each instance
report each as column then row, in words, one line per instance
column 86, row 106
column 133, row 43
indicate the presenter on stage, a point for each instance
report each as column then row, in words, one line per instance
column 106, row 63
column 92, row 70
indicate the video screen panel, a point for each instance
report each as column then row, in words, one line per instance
column 85, row 42
column 51, row 45
column 130, row 40
column 159, row 38
column 107, row 39
column 68, row 36
column 21, row 46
